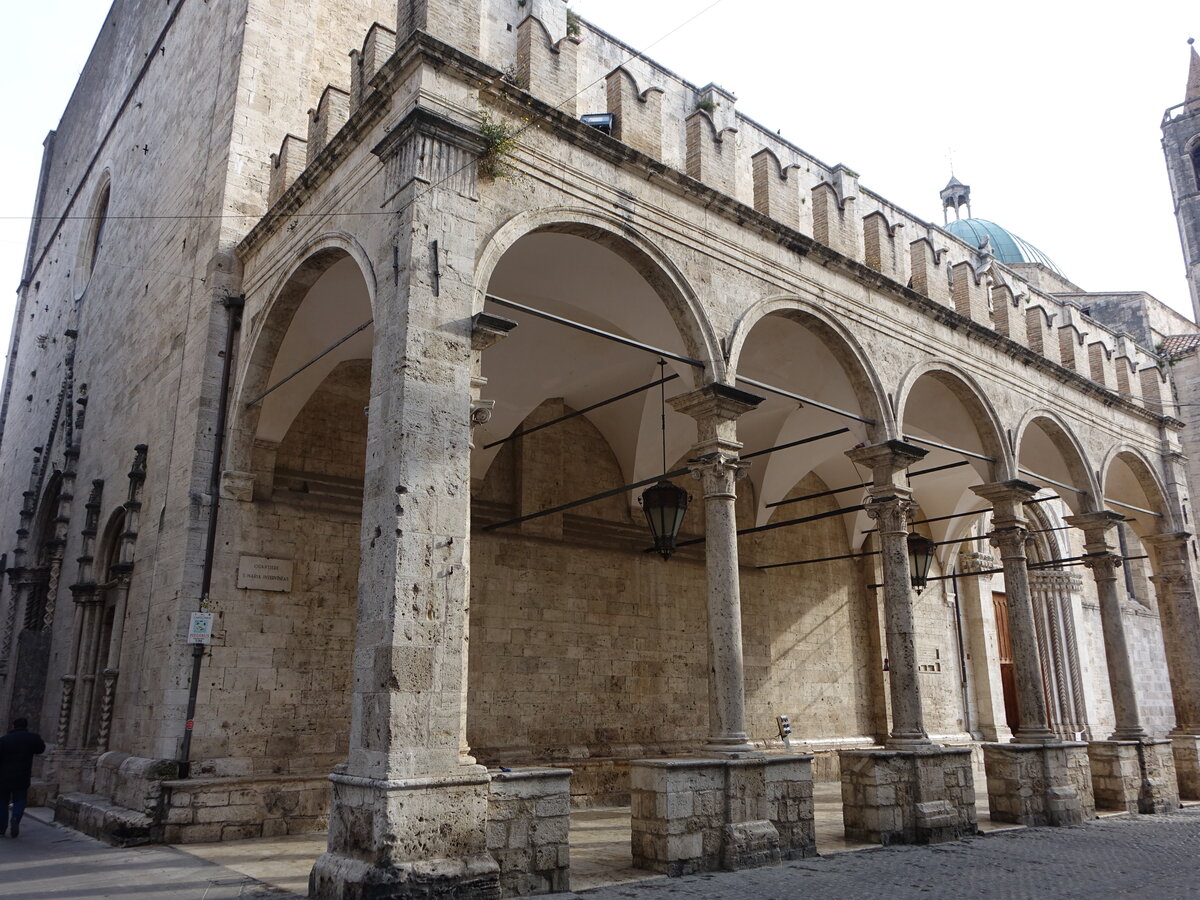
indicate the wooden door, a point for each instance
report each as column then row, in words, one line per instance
column 1008, row 679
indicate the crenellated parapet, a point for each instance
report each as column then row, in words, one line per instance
column 637, row 114
column 377, row 48
column 286, row 165
column 836, row 221
column 882, row 249
column 575, row 69
column 327, row 119
column 930, row 270
column 710, row 157
column 546, row 67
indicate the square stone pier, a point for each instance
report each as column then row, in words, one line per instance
column 908, row 796
column 1039, row 784
column 1134, row 776
column 1187, row 765
column 698, row 815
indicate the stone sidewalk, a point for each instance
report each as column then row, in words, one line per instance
column 49, row 862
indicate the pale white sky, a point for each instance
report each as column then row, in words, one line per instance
column 1051, row 110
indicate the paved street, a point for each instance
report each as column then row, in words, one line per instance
column 1153, row 857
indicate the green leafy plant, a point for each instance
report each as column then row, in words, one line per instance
column 706, row 104
column 574, row 25
column 499, row 141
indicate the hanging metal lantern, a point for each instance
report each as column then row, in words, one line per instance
column 920, row 558
column 664, row 505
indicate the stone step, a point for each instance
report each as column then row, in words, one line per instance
column 99, row 817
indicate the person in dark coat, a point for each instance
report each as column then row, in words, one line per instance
column 17, row 750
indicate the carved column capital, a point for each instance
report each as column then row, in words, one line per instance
column 718, row 472
column 481, row 411
column 891, row 511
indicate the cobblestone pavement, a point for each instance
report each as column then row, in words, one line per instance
column 1152, row 857
column 48, row 862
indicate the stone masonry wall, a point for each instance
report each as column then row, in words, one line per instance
column 594, row 651
column 276, row 688
column 528, row 824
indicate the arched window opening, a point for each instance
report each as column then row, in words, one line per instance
column 1196, row 165
column 99, row 222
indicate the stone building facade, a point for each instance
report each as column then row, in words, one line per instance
column 402, row 337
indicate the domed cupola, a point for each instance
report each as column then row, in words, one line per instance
column 1005, row 246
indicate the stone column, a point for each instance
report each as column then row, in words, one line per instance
column 1175, row 585
column 715, row 408
column 889, row 506
column 1101, row 557
column 409, row 806
column 1009, row 530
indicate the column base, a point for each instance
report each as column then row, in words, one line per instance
column 1134, row 776
column 1039, row 784
column 699, row 815
column 1186, row 749
column 923, row 796
column 342, row 878
column 735, row 747
column 407, row 839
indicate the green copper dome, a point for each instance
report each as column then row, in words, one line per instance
column 1006, row 247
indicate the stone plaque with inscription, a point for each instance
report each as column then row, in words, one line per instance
column 257, row 573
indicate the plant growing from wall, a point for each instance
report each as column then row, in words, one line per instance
column 574, row 26
column 499, row 141
column 706, row 104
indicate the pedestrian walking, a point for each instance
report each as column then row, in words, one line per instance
column 17, row 750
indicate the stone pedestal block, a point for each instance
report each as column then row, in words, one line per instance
column 528, row 825
column 407, row 839
column 908, row 796
column 1134, row 776
column 1186, row 749
column 697, row 815
column 1039, row 784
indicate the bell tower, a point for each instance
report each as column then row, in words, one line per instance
column 1181, row 144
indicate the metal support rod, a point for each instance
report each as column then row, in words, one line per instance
column 630, row 487
column 842, row 490
column 584, row 501
column 1057, row 484
column 790, row 444
column 805, row 562
column 963, row 515
column 1148, row 512
column 958, row 450
column 808, row 401
column 588, row 329
column 1072, row 488
column 580, row 412
column 1052, row 564
column 825, row 515
column 282, row 381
